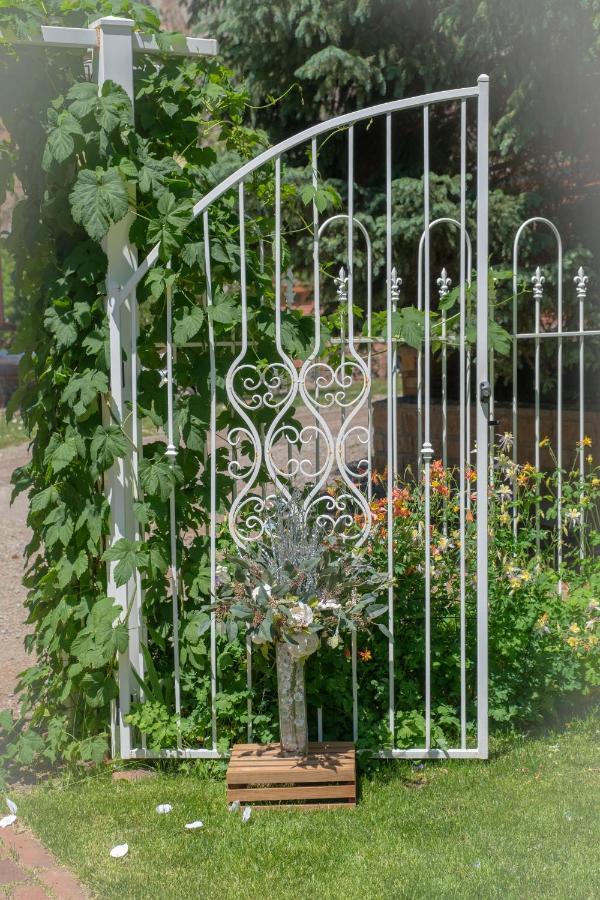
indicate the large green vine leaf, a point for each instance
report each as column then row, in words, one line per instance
column 98, row 199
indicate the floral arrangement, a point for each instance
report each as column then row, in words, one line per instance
column 298, row 584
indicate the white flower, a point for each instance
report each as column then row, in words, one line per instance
column 191, row 826
column 334, row 641
column 504, row 492
column 163, row 808
column 302, row 615
column 119, row 851
column 505, row 441
column 7, row 820
column 266, row 588
column 573, row 516
column 247, row 813
column 12, row 806
column 328, row 604
column 233, row 807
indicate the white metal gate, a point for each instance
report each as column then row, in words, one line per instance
column 334, row 405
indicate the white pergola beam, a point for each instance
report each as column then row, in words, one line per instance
column 89, row 38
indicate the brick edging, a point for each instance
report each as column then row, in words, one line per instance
column 30, row 872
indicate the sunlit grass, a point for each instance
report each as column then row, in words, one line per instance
column 524, row 824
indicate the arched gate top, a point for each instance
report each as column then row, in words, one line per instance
column 289, row 144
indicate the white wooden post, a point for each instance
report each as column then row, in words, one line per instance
column 115, row 63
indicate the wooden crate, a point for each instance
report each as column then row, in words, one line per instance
column 260, row 776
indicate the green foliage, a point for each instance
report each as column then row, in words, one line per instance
column 83, row 167
column 342, row 56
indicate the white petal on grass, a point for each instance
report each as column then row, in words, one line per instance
column 12, row 806
column 7, row 820
column 119, row 851
column 247, row 813
column 191, row 826
column 163, row 808
column 233, row 807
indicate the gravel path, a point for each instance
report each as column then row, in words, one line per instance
column 14, row 535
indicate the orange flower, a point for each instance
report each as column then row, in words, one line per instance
column 470, row 517
column 365, row 655
column 347, row 653
column 471, row 475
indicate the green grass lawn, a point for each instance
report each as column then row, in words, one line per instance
column 525, row 824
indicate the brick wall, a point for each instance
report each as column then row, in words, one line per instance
column 408, row 444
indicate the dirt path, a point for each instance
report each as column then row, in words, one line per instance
column 14, row 536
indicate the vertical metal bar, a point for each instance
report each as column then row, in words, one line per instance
column 559, row 412
column 444, row 282
column 351, row 334
column 343, row 299
column 461, row 427
column 213, row 482
column 316, row 280
column 171, row 453
column 581, row 280
column 395, row 298
column 354, row 689
column 390, row 423
column 350, row 257
column 137, row 451
column 482, row 413
column 244, row 343
column 427, row 450
column 137, row 444
column 444, row 391
column 369, row 368
column 515, row 351
column 419, row 376
column 538, row 281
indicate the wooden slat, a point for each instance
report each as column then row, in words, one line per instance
column 311, row 759
column 275, row 749
column 300, row 792
column 247, row 776
column 291, row 765
column 342, row 804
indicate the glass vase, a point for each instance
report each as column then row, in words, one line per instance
column 293, row 725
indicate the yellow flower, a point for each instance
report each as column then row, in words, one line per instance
column 585, row 442
column 589, row 458
column 545, row 442
column 574, row 628
column 573, row 641
column 505, row 518
column 595, row 482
